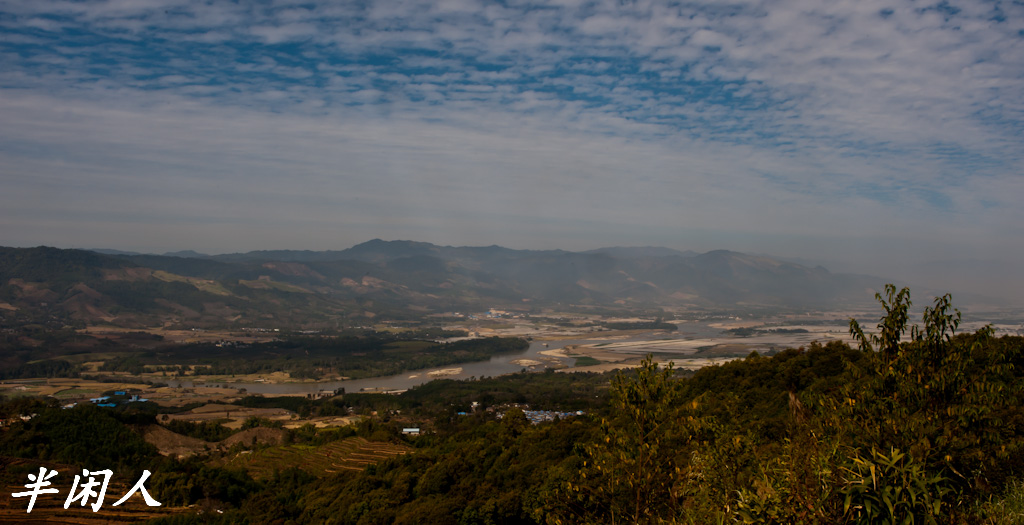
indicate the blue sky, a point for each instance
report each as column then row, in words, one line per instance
column 866, row 134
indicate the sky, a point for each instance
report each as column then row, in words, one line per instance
column 868, row 135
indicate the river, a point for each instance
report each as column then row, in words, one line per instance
column 495, row 366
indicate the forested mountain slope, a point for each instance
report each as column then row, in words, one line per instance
column 396, row 280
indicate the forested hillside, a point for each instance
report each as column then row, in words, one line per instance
column 395, row 280
column 917, row 426
column 920, row 424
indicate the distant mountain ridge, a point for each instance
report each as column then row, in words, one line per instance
column 376, row 250
column 642, row 251
column 398, row 279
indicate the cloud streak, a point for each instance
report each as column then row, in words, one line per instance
column 572, row 122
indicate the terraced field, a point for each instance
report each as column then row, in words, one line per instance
column 348, row 454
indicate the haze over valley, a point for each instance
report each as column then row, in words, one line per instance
column 528, row 261
column 387, row 280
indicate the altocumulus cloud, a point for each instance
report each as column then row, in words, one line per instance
column 219, row 125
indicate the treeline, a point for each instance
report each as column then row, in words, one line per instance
column 26, row 351
column 548, row 390
column 442, row 398
column 378, row 354
column 53, row 368
column 42, row 264
column 747, row 331
column 657, row 324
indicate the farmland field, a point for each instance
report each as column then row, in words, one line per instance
column 348, row 454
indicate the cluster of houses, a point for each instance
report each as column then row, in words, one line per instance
column 539, row 416
column 493, row 313
column 534, row 416
column 119, row 397
column 105, row 401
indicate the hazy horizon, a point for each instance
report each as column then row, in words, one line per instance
column 923, row 277
column 876, row 137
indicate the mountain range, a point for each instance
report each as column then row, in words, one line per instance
column 397, row 280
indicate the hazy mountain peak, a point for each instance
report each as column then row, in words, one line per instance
column 632, row 252
column 188, row 254
column 110, row 251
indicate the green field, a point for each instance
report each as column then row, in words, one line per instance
column 75, row 392
column 586, row 361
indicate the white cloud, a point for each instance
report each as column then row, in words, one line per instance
column 793, row 117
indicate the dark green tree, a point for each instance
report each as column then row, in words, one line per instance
column 629, row 475
column 927, row 410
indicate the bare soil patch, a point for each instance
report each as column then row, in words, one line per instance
column 257, row 436
column 174, row 444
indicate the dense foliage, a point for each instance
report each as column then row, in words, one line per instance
column 918, row 431
column 370, row 355
column 912, row 430
column 657, row 324
column 917, row 425
column 86, row 435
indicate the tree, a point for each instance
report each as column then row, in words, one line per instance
column 933, row 401
column 630, row 474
